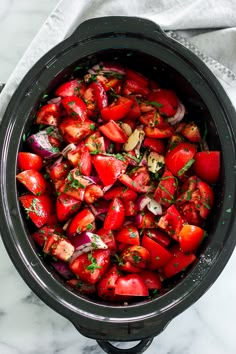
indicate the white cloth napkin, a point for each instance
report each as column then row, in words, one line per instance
column 207, row 27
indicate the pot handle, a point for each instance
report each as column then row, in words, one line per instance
column 117, row 25
column 141, row 347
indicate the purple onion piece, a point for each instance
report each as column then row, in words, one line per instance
column 40, row 144
column 63, row 269
column 55, row 100
column 107, row 68
column 179, row 115
column 86, row 242
column 143, row 161
column 142, row 202
column 99, row 207
column 68, row 148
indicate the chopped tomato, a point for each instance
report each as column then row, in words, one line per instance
column 137, row 256
column 159, row 255
column 115, row 216
column 159, row 133
column 37, row 208
column 152, row 119
column 29, row 161
column 113, row 132
column 124, row 193
column 81, row 158
column 80, row 222
column 59, row 170
column 48, row 115
column 90, row 267
column 191, row 132
column 58, row 247
column 100, row 94
column 82, row 287
column 171, row 222
column 131, row 208
column 207, row 165
column 92, row 193
column 128, row 234
column 75, row 108
column 66, row 206
column 178, row 262
column 74, row 131
column 180, row 158
column 146, row 221
column 106, row 286
column 167, row 100
column 151, row 279
column 159, row 236
column 108, row 238
column 135, row 76
column 71, row 88
column 109, row 168
column 166, row 189
column 131, row 285
column 134, row 87
column 190, row 237
column 117, row 110
column 33, row 181
column 156, row 145
column 134, row 111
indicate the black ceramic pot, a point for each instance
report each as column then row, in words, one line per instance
column 139, row 44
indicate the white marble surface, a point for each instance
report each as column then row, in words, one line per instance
column 27, row 326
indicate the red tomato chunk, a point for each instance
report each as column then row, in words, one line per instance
column 118, row 185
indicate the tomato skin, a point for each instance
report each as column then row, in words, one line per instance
column 29, row 161
column 128, row 234
column 166, row 189
column 131, row 208
column 134, row 87
column 75, row 185
column 131, row 285
column 137, row 187
column 71, row 88
column 100, row 95
column 66, row 206
column 206, row 199
column 108, row 168
column 118, row 110
column 113, row 132
column 81, row 158
column 153, row 119
column 33, row 181
column 207, row 165
column 191, row 214
column 59, row 170
column 178, row 262
column 106, row 286
column 151, row 279
column 167, row 99
column 74, row 131
column 58, row 247
column 80, row 222
column 146, row 221
column 38, row 208
column 75, row 108
column 138, row 256
column 82, row 265
column 159, row 236
column 92, row 193
column 115, row 215
column 171, row 222
column 159, row 133
column 190, row 237
column 134, row 111
column 124, row 193
column 108, row 238
column 177, row 158
column 159, row 255
column 42, row 234
column 156, row 145
column 135, row 76
column 191, row 132
column 48, row 114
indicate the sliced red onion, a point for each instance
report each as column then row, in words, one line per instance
column 179, row 115
column 154, row 207
column 100, row 207
column 40, row 144
column 50, row 166
column 86, row 242
column 107, row 68
column 142, row 202
column 68, row 148
column 155, row 161
column 63, row 269
column 55, row 100
column 138, row 220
